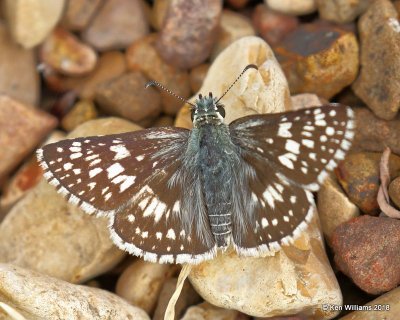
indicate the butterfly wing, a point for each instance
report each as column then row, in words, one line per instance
column 290, row 154
column 138, row 180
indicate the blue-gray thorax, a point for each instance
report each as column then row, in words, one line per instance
column 206, row 112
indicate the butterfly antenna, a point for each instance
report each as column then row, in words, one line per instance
column 155, row 83
column 249, row 66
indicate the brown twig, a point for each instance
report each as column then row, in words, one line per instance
column 383, row 196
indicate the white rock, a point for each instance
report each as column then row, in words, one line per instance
column 262, row 91
column 293, row 7
column 206, row 311
column 297, row 279
column 36, row 296
column 341, row 11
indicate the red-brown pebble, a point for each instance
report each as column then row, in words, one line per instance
column 367, row 250
column 22, row 128
column 189, row 32
column 271, row 25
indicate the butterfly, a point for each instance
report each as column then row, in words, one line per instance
column 175, row 195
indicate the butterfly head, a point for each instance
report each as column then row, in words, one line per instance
column 206, row 109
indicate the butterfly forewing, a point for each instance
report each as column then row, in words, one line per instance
column 301, row 146
column 136, row 179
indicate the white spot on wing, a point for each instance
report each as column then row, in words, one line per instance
column 171, row 234
column 283, row 130
column 114, row 170
column 121, row 152
column 94, row 172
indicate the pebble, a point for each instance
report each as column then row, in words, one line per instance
column 319, row 58
column 45, row 233
column 30, row 22
column 341, row 11
column 358, row 174
column 262, row 91
column 367, row 250
column 273, row 26
column 378, row 84
column 334, row 207
column 163, row 121
column 197, row 76
column 189, row 32
column 206, row 311
column 78, row 13
column 125, row 96
column 140, row 283
column 110, row 65
column 116, row 25
column 306, row 100
column 158, row 13
column 394, row 191
column 65, row 53
column 82, row 111
column 237, row 4
column 386, row 306
column 18, row 76
column 143, row 56
column 187, row 298
column 293, row 7
column 377, row 134
column 297, row 279
column 232, row 27
column 25, row 179
column 37, row 296
column 22, row 129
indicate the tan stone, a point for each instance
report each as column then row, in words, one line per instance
column 37, row 297
column 232, row 27
column 262, row 91
column 378, row 84
column 82, row 111
column 206, row 311
column 293, row 7
column 334, row 207
column 79, row 12
column 197, row 76
column 297, row 279
column 18, row 75
column 158, row 13
column 45, row 233
column 306, row 100
column 141, row 283
column 30, row 21
column 341, row 11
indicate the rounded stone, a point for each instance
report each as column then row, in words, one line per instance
column 297, row 279
column 293, row 7
column 341, row 11
column 334, row 207
column 125, row 96
column 82, row 111
column 116, row 25
column 19, row 78
column 367, row 250
column 141, row 283
column 31, row 21
column 143, row 56
column 358, row 174
column 378, row 84
column 207, row 311
column 394, row 191
column 197, row 76
column 271, row 25
column 78, row 13
column 37, row 296
column 262, row 91
column 189, row 32
column 232, row 27
column 45, row 233
column 65, row 53
column 319, row 58
column 158, row 13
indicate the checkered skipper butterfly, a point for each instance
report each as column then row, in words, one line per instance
column 176, row 196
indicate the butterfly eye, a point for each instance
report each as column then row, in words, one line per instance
column 221, row 110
